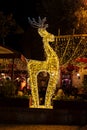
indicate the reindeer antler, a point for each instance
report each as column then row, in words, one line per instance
column 39, row 24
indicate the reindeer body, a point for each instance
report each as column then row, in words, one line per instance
column 51, row 65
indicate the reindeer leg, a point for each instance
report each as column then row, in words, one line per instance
column 34, row 90
column 50, row 91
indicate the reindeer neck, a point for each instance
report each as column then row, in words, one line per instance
column 50, row 53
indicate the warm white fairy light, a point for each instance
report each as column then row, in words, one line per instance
column 51, row 65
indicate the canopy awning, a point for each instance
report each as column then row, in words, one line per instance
column 6, row 52
column 83, row 59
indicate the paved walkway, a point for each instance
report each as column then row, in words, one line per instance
column 41, row 127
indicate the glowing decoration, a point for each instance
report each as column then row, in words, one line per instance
column 70, row 47
column 85, row 2
column 51, row 65
column 78, row 75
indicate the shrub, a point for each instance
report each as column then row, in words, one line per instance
column 8, row 88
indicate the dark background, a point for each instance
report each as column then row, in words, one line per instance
column 59, row 13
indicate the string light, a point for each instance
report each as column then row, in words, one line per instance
column 72, row 47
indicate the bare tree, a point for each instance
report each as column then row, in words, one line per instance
column 8, row 25
column 81, row 15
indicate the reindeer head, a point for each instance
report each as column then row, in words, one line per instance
column 41, row 26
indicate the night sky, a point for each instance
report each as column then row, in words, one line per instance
column 21, row 10
column 59, row 14
column 26, row 42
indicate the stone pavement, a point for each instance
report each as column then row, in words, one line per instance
column 40, row 127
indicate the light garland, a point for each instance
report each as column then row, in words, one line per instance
column 51, row 65
column 70, row 47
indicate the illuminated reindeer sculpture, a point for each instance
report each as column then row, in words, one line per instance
column 51, row 65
